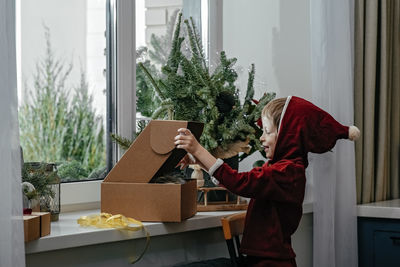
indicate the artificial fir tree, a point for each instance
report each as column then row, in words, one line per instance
column 189, row 92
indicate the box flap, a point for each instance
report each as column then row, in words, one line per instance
column 161, row 135
column 153, row 153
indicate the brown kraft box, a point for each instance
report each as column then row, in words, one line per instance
column 45, row 225
column 31, row 227
column 128, row 189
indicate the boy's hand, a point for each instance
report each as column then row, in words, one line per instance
column 184, row 162
column 188, row 159
column 186, row 140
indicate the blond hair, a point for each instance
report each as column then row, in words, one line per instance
column 273, row 110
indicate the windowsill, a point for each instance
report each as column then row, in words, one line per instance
column 67, row 233
column 389, row 209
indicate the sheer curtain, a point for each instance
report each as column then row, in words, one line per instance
column 335, row 218
column 12, row 251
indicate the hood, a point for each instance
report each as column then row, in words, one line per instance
column 305, row 128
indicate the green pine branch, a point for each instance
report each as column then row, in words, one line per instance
column 153, row 82
column 197, row 41
column 123, row 142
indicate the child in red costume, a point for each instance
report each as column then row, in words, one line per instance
column 292, row 127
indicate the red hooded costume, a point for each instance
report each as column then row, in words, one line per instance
column 277, row 188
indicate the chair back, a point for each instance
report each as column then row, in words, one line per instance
column 233, row 226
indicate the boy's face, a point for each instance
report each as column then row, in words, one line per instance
column 269, row 137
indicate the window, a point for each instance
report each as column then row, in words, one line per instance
column 62, row 85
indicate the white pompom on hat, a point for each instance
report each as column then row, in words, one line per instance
column 354, row 133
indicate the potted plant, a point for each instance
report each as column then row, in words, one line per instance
column 46, row 183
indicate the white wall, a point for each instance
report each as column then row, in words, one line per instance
column 275, row 35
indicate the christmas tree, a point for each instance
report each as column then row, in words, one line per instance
column 189, row 92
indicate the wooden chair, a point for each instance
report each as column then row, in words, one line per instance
column 233, row 226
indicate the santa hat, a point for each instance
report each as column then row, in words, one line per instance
column 305, row 128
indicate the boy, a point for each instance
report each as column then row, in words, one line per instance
column 292, row 127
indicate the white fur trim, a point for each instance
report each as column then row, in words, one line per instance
column 283, row 112
column 354, row 133
column 214, row 167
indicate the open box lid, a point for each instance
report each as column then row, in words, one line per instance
column 153, row 153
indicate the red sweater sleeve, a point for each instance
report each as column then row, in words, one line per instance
column 283, row 181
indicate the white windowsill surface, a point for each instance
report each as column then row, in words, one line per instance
column 67, row 233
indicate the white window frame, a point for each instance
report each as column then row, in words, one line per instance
column 215, row 36
column 86, row 195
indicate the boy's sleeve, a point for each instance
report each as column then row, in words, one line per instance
column 283, row 181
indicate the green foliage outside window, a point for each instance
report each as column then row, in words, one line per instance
column 56, row 126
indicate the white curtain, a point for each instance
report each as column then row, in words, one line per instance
column 12, row 252
column 335, row 218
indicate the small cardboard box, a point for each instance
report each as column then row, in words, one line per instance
column 128, row 190
column 44, row 222
column 31, row 227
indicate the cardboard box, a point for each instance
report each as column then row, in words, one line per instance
column 31, row 227
column 44, row 222
column 128, row 188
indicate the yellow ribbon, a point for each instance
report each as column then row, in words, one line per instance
column 120, row 222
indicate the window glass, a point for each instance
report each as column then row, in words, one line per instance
column 62, row 85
